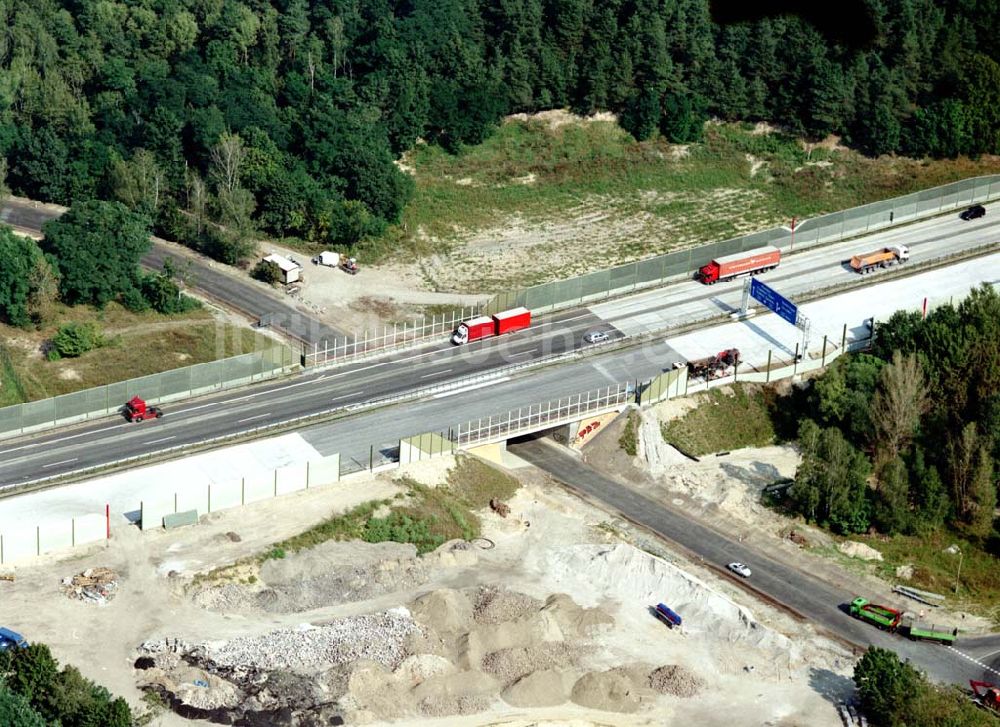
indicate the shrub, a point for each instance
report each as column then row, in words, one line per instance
column 266, row 272
column 75, row 339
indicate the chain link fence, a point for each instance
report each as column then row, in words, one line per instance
column 155, row 388
column 829, row 228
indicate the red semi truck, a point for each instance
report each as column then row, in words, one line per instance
column 495, row 325
column 728, row 267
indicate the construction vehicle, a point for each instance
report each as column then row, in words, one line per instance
column 667, row 615
column 136, row 410
column 479, row 327
column 728, row 267
column 349, row 265
column 723, row 363
column 11, row 640
column 986, row 695
column 918, row 631
column 882, row 258
column 327, row 258
column 881, row 616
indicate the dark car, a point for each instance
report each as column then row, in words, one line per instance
column 975, row 211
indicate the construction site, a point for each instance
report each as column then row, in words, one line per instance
column 546, row 617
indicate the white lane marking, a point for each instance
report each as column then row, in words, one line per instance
column 347, row 396
column 61, row 439
column 973, row 660
column 162, row 439
column 523, row 353
column 56, row 464
column 470, row 388
column 250, row 419
column 436, row 373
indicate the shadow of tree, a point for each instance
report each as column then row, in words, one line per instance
column 833, row 687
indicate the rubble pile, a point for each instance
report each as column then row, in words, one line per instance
column 676, row 681
column 94, row 585
column 496, row 605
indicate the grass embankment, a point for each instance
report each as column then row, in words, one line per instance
column 424, row 516
column 723, row 420
column 554, row 167
column 138, row 344
column 629, row 440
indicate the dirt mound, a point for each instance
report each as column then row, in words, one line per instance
column 545, row 688
column 573, row 619
column 676, row 681
column 859, row 550
column 445, row 611
column 510, row 665
column 496, row 605
column 609, row 691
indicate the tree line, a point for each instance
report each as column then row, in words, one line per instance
column 906, row 438
column 36, row 692
column 220, row 117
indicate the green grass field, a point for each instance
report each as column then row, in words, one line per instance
column 722, row 421
column 139, row 344
column 546, row 171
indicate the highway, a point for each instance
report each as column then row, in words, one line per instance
column 822, row 604
column 106, row 440
column 244, row 296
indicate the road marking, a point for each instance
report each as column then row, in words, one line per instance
column 347, row 396
column 470, row 388
column 974, row 660
column 271, row 391
column 56, row 464
column 163, row 439
column 61, row 439
column 250, row 419
column 436, row 373
column 523, row 353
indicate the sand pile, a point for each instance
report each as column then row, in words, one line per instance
column 676, row 681
column 544, row 688
column 509, row 665
column 638, row 579
column 610, row 691
column 659, row 456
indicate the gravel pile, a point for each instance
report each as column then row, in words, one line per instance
column 676, row 681
column 446, row 706
column 509, row 665
column 496, row 605
column 379, row 637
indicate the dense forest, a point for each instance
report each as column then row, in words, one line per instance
column 216, row 118
column 906, row 438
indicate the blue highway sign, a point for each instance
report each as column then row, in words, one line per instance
column 773, row 300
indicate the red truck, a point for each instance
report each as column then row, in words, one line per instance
column 728, row 267
column 495, row 325
column 136, row 410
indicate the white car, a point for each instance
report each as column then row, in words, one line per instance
column 597, row 337
column 739, row 569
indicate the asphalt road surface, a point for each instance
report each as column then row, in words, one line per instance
column 811, row 597
column 245, row 297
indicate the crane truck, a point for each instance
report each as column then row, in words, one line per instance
column 882, row 258
column 727, row 267
column 986, row 695
column 881, row 616
column 497, row 324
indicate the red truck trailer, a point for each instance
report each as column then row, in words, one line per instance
column 484, row 326
column 728, row 267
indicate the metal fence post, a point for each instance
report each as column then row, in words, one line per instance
column 822, row 361
column 767, row 374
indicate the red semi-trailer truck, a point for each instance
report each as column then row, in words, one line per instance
column 495, row 325
column 728, row 267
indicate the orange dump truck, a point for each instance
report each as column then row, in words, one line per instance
column 882, row 258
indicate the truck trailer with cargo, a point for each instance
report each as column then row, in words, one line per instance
column 498, row 324
column 881, row 616
column 750, row 262
column 882, row 258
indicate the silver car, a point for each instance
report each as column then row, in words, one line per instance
column 597, row 337
column 739, row 569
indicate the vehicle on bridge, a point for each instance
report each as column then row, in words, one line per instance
column 479, row 327
column 751, row 262
column 918, row 631
column 882, row 258
column 881, row 616
column 723, row 363
column 986, row 695
column 136, row 410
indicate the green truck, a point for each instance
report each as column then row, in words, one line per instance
column 927, row 632
column 881, row 616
